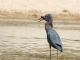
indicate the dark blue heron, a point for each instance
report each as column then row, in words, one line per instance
column 52, row 36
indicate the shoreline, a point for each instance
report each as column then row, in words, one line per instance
column 58, row 24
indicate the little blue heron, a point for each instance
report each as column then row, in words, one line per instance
column 52, row 36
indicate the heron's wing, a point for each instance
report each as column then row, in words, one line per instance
column 54, row 37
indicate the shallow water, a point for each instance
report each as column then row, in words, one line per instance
column 19, row 42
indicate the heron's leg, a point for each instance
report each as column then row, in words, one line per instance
column 57, row 54
column 50, row 52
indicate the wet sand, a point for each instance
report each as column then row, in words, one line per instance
column 27, row 41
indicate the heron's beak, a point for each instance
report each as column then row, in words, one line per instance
column 40, row 19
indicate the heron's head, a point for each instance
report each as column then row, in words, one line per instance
column 47, row 18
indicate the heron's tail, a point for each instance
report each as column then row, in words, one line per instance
column 59, row 47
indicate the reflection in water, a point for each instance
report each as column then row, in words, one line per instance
column 29, row 43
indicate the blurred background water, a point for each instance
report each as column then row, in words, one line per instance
column 27, row 40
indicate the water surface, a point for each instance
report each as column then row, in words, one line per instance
column 28, row 42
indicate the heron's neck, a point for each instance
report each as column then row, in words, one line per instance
column 48, row 26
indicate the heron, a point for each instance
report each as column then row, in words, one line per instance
column 53, row 37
